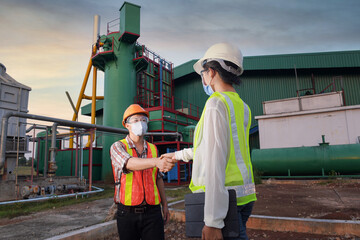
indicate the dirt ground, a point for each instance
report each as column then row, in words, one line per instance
column 306, row 199
column 309, row 199
column 336, row 199
column 176, row 231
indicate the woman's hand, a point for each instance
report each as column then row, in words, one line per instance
column 168, row 155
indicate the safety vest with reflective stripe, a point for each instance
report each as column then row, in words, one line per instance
column 137, row 186
column 239, row 173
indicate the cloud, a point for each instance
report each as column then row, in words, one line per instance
column 46, row 43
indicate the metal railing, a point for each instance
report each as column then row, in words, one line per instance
column 112, row 24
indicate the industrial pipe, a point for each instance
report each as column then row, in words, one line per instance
column 98, row 190
column 82, row 91
column 46, row 152
column 4, row 124
column 52, row 164
column 61, row 122
column 34, row 126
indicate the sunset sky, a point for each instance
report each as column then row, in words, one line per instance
column 46, row 44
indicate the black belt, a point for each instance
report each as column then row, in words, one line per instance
column 136, row 209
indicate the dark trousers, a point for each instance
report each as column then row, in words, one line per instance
column 244, row 213
column 135, row 224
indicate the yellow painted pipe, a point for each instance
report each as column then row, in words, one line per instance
column 83, row 87
column 93, row 106
column 90, row 97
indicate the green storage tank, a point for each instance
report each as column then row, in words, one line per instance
column 66, row 163
column 322, row 160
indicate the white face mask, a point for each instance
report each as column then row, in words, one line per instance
column 139, row 128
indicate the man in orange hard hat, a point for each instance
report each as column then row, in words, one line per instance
column 139, row 187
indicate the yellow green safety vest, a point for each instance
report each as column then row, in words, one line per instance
column 239, row 174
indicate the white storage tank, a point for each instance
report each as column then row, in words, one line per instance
column 14, row 97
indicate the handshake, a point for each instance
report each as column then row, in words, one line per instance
column 166, row 162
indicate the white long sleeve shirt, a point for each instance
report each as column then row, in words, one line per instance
column 211, row 161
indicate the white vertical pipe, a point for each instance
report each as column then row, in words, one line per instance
column 96, row 28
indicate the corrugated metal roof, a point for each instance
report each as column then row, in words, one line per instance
column 287, row 61
column 304, row 60
column 184, row 69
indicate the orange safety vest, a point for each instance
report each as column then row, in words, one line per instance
column 137, row 186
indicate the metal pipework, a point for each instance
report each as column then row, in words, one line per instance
column 96, row 28
column 52, row 163
column 97, row 190
column 60, row 122
column 34, row 126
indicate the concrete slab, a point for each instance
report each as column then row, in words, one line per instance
column 55, row 222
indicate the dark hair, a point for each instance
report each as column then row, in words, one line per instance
column 226, row 76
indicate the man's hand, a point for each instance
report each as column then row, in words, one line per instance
column 166, row 213
column 165, row 164
column 210, row 233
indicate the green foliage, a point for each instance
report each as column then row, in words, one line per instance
column 22, row 161
column 333, row 173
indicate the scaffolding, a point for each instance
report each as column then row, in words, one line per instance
column 155, row 92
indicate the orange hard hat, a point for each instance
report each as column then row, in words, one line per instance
column 133, row 109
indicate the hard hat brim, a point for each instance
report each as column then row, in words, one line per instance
column 198, row 66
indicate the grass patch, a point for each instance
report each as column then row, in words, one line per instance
column 177, row 193
column 21, row 209
column 25, row 170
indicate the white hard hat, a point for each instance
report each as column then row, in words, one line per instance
column 220, row 52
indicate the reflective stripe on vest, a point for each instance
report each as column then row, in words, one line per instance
column 239, row 174
column 137, row 186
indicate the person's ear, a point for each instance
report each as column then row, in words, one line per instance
column 212, row 73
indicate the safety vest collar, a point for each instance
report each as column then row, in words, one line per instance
column 131, row 143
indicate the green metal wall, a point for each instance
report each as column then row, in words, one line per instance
column 260, row 86
column 190, row 90
column 265, row 85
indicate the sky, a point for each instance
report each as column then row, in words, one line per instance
column 46, row 44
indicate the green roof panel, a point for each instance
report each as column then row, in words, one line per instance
column 288, row 61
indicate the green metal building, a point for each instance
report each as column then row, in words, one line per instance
column 265, row 78
column 273, row 77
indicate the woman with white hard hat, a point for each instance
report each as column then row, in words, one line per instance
column 221, row 142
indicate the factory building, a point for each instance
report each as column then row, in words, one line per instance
column 175, row 98
column 297, row 100
column 267, row 79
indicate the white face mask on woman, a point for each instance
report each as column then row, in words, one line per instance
column 139, row 128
